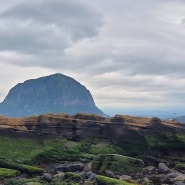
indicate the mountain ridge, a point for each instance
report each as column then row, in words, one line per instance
column 56, row 93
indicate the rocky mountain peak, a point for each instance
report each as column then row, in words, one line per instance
column 56, row 93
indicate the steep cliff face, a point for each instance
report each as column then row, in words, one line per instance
column 51, row 94
column 90, row 125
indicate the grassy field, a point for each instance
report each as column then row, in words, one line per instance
column 34, row 150
column 19, row 149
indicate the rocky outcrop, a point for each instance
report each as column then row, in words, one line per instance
column 90, row 125
column 51, row 94
column 134, row 135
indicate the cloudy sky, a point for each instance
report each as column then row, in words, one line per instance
column 129, row 53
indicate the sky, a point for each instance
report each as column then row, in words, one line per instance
column 130, row 54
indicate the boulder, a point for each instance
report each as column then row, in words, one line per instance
column 60, row 176
column 144, row 181
column 92, row 177
column 172, row 175
column 126, row 178
column 73, row 167
column 109, row 173
column 118, row 164
column 162, row 168
column 179, row 183
column 163, row 178
column 47, row 177
column 149, row 170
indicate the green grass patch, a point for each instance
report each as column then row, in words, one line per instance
column 56, row 150
column 18, row 149
column 32, row 150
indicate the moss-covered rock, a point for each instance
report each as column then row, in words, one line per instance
column 102, row 180
column 4, row 173
column 180, row 166
column 32, row 183
column 74, row 177
column 36, row 180
column 118, row 164
column 21, row 167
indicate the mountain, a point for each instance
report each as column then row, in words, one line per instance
column 56, row 93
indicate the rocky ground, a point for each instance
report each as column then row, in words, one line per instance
column 86, row 173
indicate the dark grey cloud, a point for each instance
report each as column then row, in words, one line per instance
column 46, row 26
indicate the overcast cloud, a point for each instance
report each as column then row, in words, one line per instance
column 128, row 53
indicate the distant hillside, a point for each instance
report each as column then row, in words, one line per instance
column 51, row 94
column 180, row 119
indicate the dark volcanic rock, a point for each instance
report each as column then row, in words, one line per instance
column 163, row 168
column 47, row 177
column 51, row 94
column 69, row 167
